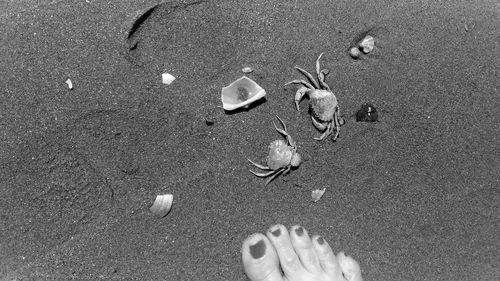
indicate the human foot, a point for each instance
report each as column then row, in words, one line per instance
column 301, row 258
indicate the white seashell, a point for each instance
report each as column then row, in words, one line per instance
column 367, row 44
column 241, row 93
column 247, row 70
column 355, row 52
column 162, row 205
column 70, row 84
column 317, row 194
column 167, row 78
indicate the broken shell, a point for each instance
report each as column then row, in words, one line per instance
column 367, row 44
column 70, row 84
column 317, row 194
column 167, row 78
column 162, row 205
column 241, row 93
column 355, row 52
column 247, row 70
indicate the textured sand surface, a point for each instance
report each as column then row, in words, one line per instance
column 412, row 197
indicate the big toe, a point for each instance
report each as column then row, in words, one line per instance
column 260, row 260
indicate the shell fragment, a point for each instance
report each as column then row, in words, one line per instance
column 162, row 205
column 167, row 78
column 317, row 194
column 69, row 83
column 247, row 70
column 367, row 44
column 241, row 93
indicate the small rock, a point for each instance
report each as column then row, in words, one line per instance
column 209, row 121
column 355, row 52
column 367, row 113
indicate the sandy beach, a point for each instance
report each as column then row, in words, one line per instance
column 414, row 196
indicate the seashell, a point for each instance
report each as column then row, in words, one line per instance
column 167, row 78
column 69, row 83
column 162, row 205
column 247, row 70
column 355, row 52
column 317, row 194
column 367, row 44
column 241, row 93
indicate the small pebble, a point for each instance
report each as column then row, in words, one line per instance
column 355, row 52
column 209, row 122
column 247, row 70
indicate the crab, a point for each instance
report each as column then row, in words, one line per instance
column 324, row 107
column 282, row 156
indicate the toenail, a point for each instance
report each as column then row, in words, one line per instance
column 320, row 240
column 299, row 230
column 276, row 233
column 258, row 249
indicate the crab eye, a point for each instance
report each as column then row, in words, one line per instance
column 367, row 113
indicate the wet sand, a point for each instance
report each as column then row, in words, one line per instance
column 414, row 196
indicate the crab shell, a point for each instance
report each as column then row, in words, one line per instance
column 323, row 104
column 282, row 155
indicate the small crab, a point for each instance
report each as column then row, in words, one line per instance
column 282, row 156
column 325, row 113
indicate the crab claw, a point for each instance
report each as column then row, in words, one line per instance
column 299, row 95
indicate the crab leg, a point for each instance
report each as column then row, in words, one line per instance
column 321, row 79
column 262, row 175
column 289, row 138
column 287, row 170
column 300, row 82
column 262, row 167
column 327, row 132
column 278, row 172
column 320, row 126
column 337, row 124
column 321, row 75
column 318, row 68
column 309, row 77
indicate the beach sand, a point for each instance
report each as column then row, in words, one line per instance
column 414, row 196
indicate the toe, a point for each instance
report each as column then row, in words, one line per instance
column 304, row 249
column 350, row 267
column 326, row 257
column 290, row 263
column 260, row 260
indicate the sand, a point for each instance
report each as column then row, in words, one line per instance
column 414, row 196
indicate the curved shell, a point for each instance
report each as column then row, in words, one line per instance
column 241, row 93
column 162, row 205
column 280, row 155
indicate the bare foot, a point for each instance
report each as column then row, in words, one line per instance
column 294, row 256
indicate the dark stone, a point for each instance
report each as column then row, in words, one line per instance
column 367, row 113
